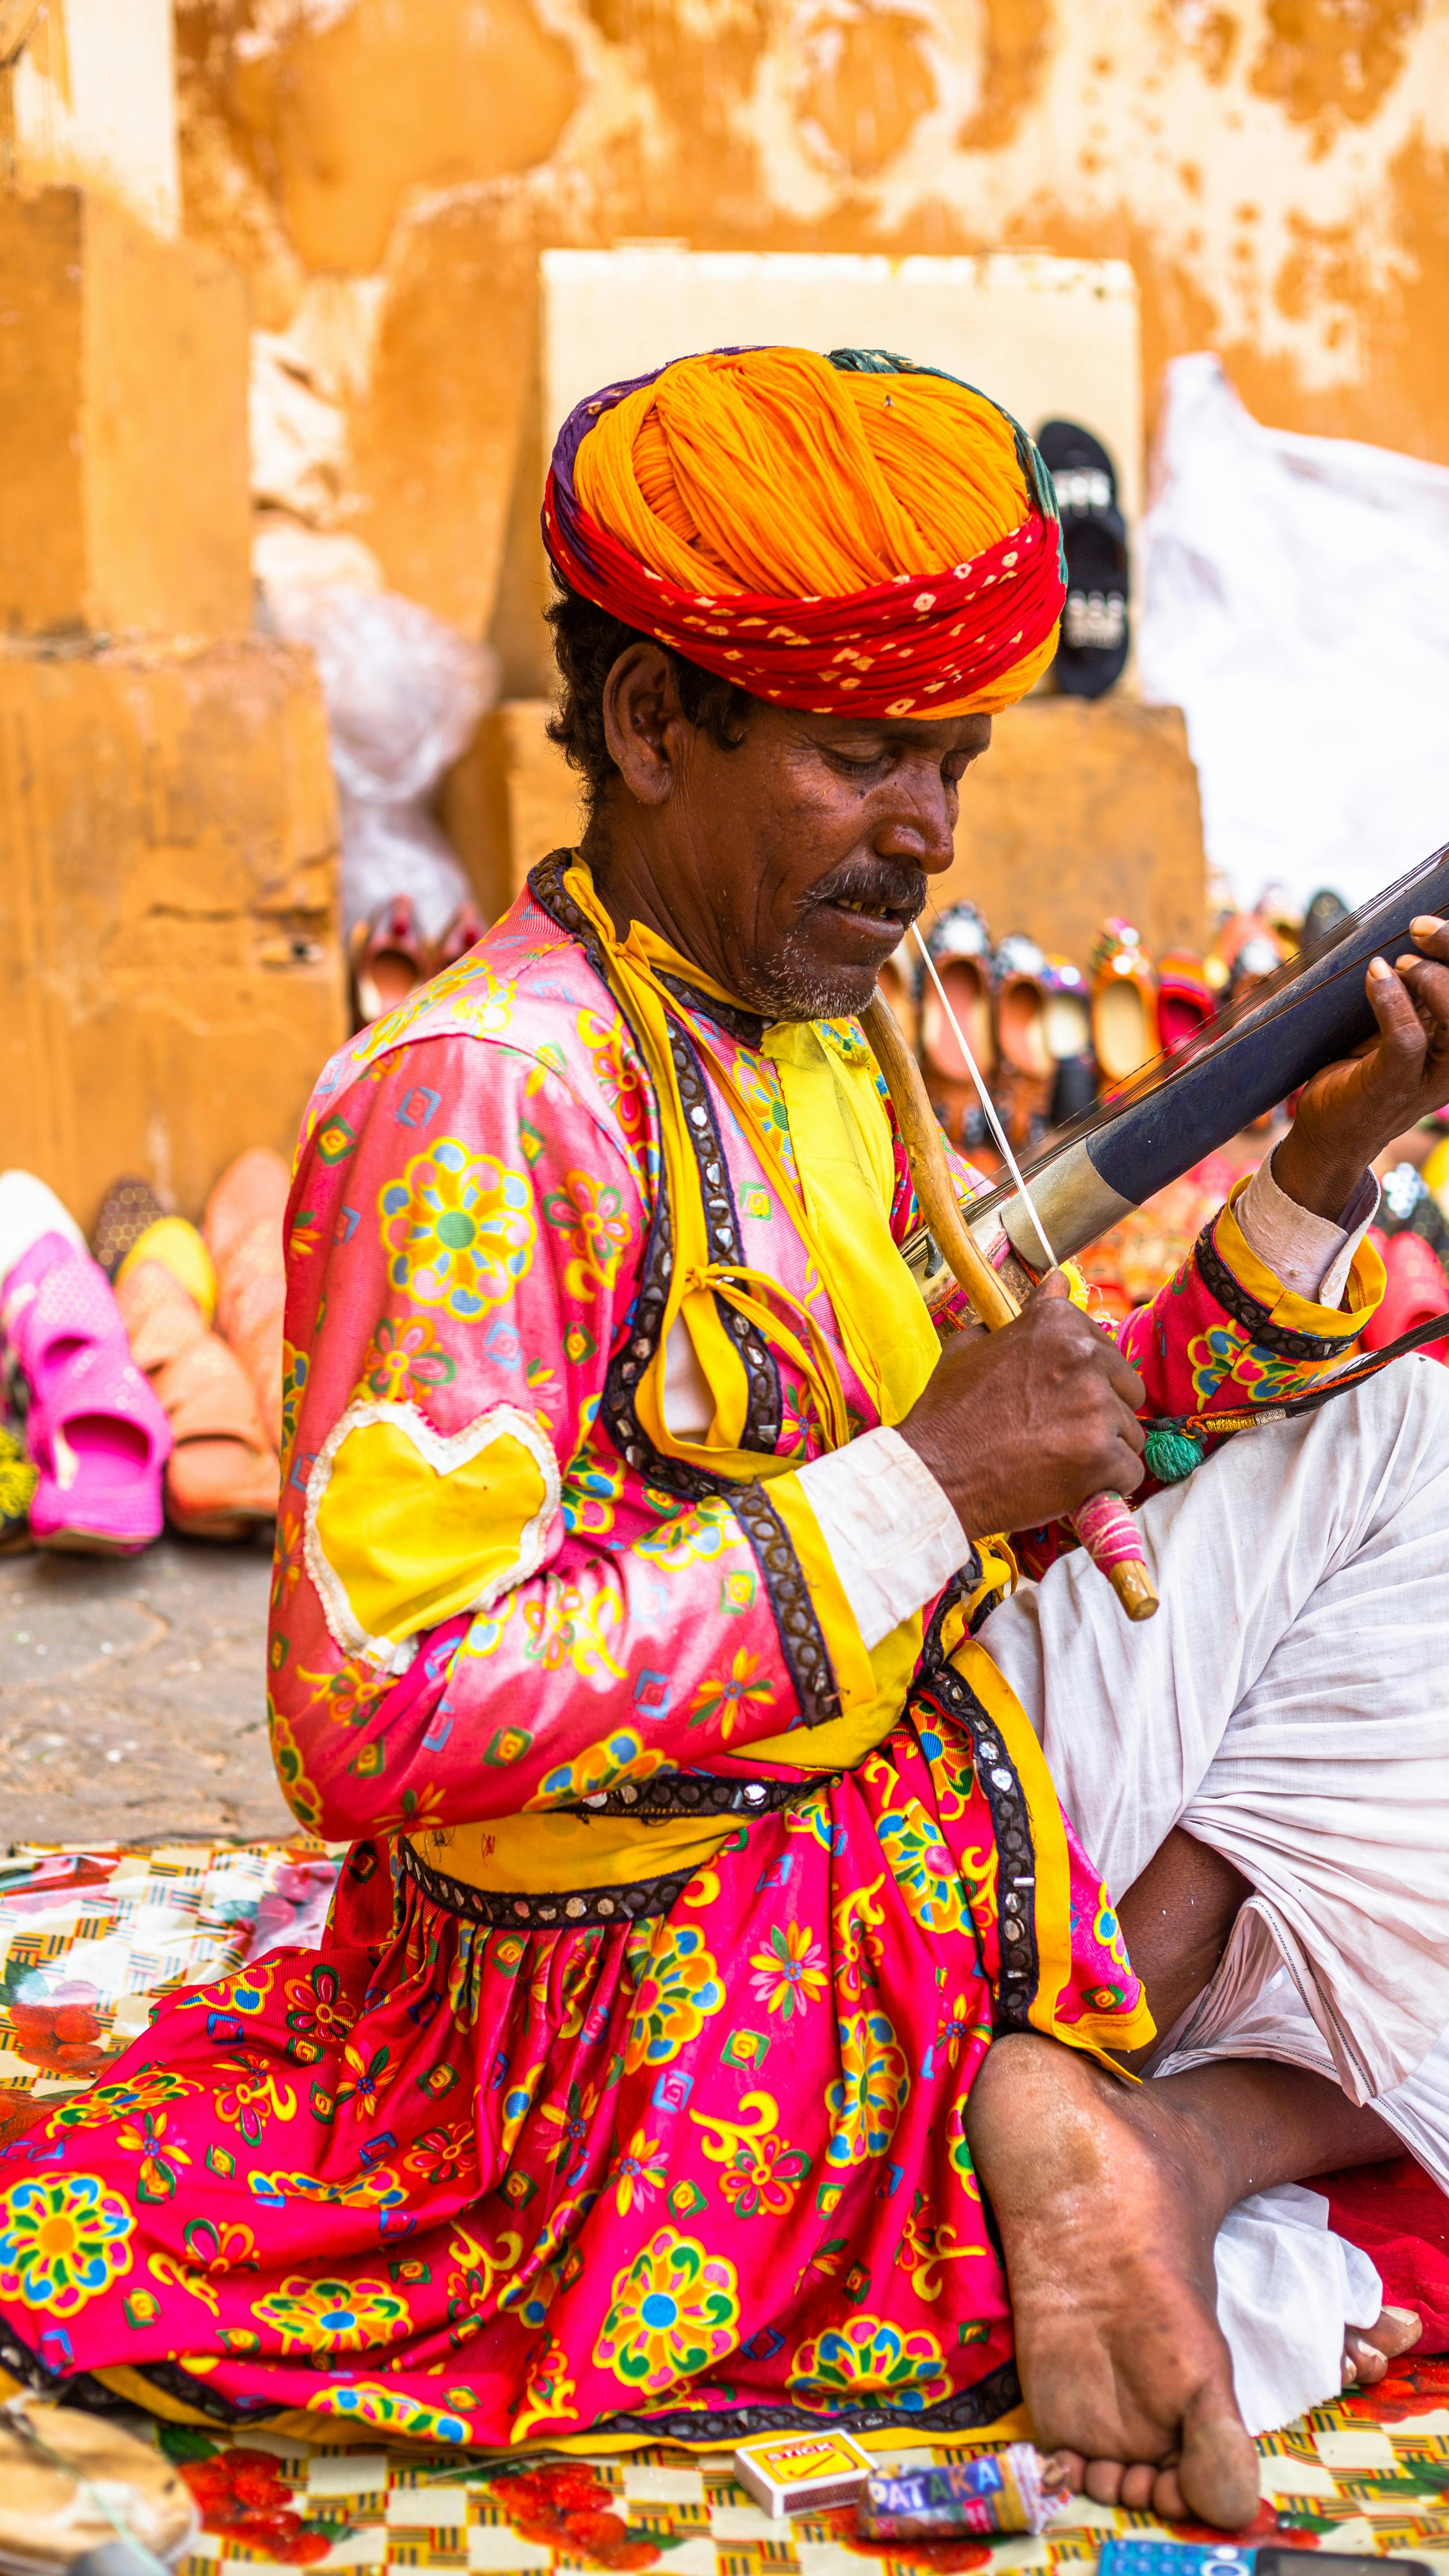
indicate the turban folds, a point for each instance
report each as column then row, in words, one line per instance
column 850, row 534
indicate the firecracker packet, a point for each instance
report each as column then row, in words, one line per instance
column 993, row 2492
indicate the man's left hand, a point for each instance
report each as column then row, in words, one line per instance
column 1350, row 1111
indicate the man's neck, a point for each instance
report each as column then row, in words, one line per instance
column 633, row 885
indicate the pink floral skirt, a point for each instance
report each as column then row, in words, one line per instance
column 698, row 2175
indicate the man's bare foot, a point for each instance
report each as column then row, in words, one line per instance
column 1368, row 2350
column 1108, row 2205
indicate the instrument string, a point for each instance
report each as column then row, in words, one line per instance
column 987, row 1103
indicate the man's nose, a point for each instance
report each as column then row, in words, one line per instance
column 920, row 828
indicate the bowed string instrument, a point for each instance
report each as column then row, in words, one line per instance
column 1143, row 1134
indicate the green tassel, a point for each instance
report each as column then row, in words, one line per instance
column 1171, row 1455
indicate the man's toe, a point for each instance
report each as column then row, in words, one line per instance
column 1103, row 2480
column 1397, row 2330
column 1137, row 2485
column 1167, row 2500
column 1217, row 2473
column 1363, row 2367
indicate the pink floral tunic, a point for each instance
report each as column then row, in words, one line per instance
column 627, row 2086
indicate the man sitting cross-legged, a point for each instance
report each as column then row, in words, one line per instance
column 729, row 1908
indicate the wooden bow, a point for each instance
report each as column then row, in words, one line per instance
column 1104, row 1525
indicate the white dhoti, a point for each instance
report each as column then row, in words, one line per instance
column 1288, row 1706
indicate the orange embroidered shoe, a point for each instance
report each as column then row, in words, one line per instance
column 1019, row 975
column 959, row 945
column 386, row 958
column 1124, row 1001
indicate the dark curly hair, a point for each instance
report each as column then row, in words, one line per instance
column 587, row 642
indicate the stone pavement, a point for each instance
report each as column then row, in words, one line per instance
column 133, row 1698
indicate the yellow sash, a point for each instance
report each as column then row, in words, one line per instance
column 838, row 1197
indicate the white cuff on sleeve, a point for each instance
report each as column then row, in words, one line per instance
column 892, row 1534
column 1310, row 1256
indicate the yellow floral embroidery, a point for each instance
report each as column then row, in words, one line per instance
column 458, row 1228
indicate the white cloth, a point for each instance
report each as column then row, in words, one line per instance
column 1288, row 1705
column 1288, row 578
column 1287, row 2287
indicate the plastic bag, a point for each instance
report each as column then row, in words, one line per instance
column 404, row 695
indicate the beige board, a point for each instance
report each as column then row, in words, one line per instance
column 1046, row 337
column 1076, row 811
column 170, row 975
column 123, row 427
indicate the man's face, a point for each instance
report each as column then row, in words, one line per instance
column 792, row 866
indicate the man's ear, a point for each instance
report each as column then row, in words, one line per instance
column 644, row 722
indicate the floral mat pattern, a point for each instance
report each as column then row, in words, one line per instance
column 87, row 1937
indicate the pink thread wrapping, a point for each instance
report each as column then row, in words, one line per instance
column 1108, row 1532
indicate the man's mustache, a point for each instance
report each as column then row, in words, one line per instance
column 880, row 885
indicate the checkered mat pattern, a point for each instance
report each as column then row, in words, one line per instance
column 87, row 1938
column 1370, row 2475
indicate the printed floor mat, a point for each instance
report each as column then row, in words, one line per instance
column 1370, row 2475
column 87, row 1938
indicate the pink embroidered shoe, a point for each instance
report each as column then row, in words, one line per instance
column 95, row 1431
column 56, row 1301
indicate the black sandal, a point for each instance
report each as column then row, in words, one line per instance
column 1095, row 633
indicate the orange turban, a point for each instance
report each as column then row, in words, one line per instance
column 851, row 534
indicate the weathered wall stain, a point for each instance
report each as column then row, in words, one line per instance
column 1018, row 35
column 1332, row 60
column 1274, row 169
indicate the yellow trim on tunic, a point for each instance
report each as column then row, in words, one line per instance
column 1099, row 2034
column 550, row 1854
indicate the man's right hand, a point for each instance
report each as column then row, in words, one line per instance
column 1020, row 1426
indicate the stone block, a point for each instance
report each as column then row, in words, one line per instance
column 123, row 434
column 1080, row 809
column 170, row 970
column 1076, row 811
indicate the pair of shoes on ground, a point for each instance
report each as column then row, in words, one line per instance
column 388, row 956
column 94, row 1433
column 220, row 1389
column 1022, row 1014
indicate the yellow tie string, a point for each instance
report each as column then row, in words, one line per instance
column 633, row 965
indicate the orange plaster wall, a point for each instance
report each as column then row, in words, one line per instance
column 1274, row 169
column 171, row 1000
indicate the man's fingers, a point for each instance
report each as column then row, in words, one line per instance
column 1428, row 986
column 1431, row 934
column 1400, row 1030
column 1123, row 1378
column 1128, row 1472
column 1053, row 1285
